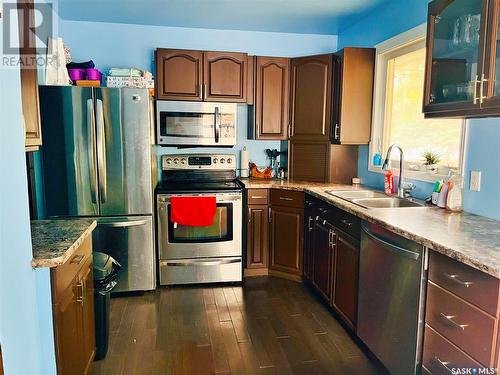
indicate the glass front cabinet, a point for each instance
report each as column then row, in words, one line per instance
column 462, row 75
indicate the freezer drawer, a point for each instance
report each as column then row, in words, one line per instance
column 129, row 240
column 200, row 270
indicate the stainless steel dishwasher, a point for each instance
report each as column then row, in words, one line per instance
column 391, row 298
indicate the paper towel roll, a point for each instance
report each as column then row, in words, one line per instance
column 244, row 162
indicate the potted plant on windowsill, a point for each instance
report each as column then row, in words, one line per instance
column 431, row 161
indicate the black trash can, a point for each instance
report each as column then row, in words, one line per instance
column 105, row 272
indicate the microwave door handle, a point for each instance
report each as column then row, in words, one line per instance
column 217, row 124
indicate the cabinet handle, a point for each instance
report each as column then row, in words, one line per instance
column 269, row 216
column 443, row 364
column 449, row 319
column 289, row 130
column 77, row 259
column 204, row 91
column 81, row 297
column 201, row 92
column 347, row 223
column 336, row 134
column 257, row 197
column 481, row 89
column 331, row 237
column 475, row 82
column 286, row 199
column 249, row 215
column 455, row 279
column 309, row 227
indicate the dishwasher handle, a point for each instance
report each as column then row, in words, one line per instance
column 394, row 248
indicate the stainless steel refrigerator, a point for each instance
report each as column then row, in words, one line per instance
column 98, row 161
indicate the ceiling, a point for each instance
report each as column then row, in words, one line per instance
column 289, row 16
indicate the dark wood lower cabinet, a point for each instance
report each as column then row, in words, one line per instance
column 73, row 311
column 322, row 258
column 345, row 293
column 257, row 236
column 286, row 239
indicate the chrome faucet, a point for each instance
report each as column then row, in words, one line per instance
column 403, row 186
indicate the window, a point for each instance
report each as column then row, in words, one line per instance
column 398, row 116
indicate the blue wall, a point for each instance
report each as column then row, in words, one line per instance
column 110, row 44
column 483, row 135
column 25, row 300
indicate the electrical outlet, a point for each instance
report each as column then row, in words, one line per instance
column 475, row 181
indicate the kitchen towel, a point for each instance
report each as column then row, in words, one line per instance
column 193, row 211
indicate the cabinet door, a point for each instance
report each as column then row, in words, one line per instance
column 309, row 215
column 68, row 330
column 491, row 79
column 225, row 77
column 322, row 257
column 455, row 50
column 311, row 97
column 88, row 325
column 345, row 295
column 271, row 99
column 29, row 78
column 179, row 74
column 258, row 236
column 309, row 161
column 287, row 239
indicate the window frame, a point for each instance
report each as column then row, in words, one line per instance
column 409, row 41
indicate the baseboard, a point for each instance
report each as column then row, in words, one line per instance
column 251, row 272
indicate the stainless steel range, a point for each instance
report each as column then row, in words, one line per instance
column 200, row 254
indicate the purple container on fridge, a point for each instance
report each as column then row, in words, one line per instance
column 93, row 74
column 76, row 74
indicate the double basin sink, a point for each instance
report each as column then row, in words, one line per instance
column 373, row 199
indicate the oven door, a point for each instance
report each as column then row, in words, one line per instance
column 221, row 239
column 195, row 123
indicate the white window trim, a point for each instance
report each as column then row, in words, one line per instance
column 383, row 51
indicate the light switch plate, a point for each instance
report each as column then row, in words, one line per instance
column 475, row 181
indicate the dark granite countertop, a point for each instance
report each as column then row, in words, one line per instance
column 471, row 239
column 54, row 241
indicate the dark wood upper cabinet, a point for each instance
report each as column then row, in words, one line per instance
column 311, row 82
column 272, row 82
column 225, row 76
column 345, row 295
column 462, row 78
column 29, row 78
column 179, row 74
column 352, row 98
column 257, row 236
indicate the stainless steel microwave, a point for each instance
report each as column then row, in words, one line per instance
column 196, row 123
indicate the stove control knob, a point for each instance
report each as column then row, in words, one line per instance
column 215, row 160
column 229, row 160
column 169, row 161
column 176, row 161
column 183, row 160
column 222, row 161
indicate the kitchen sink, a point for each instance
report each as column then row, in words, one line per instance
column 356, row 194
column 386, row 202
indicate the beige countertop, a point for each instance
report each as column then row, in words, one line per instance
column 54, row 241
column 471, row 239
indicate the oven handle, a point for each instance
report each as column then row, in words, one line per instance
column 221, row 198
column 201, row 262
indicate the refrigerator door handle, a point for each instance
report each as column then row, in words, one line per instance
column 101, row 151
column 91, row 149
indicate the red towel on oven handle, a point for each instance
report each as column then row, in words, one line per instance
column 193, row 211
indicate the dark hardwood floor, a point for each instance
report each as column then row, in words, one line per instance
column 266, row 326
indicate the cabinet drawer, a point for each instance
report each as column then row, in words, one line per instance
column 346, row 222
column 472, row 285
column 63, row 275
column 441, row 356
column 258, row 196
column 287, row 198
column 466, row 326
